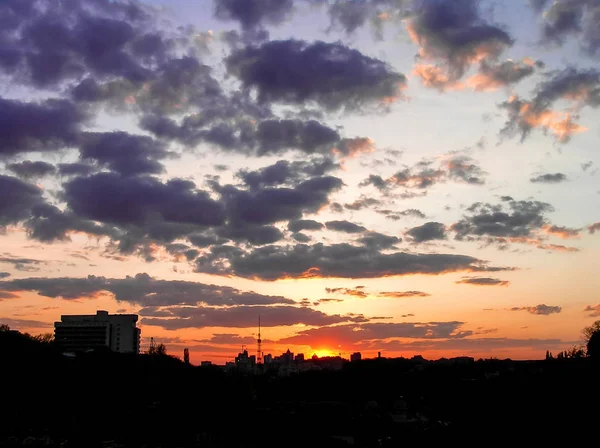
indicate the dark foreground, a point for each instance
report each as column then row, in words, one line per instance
column 109, row 400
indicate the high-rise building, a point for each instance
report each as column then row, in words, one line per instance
column 117, row 332
column 355, row 356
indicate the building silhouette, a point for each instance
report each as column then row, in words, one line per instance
column 116, row 332
column 355, row 356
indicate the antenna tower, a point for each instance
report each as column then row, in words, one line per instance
column 259, row 357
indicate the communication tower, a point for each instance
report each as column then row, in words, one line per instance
column 259, row 357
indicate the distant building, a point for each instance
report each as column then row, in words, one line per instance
column 117, row 332
column 299, row 357
column 205, row 363
column 268, row 359
column 244, row 361
column 355, row 356
column 287, row 357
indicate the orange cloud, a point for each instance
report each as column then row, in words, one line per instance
column 594, row 310
column 596, row 226
column 564, row 233
column 352, row 147
column 558, row 248
column 402, row 294
column 433, row 76
column 561, row 124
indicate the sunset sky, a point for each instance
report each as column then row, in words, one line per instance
column 396, row 176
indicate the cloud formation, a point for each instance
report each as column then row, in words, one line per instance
column 175, row 318
column 593, row 310
column 563, row 19
column 319, row 260
column 453, row 35
column 140, row 290
column 329, row 75
column 549, row 178
column 427, row 232
column 402, row 294
column 540, row 310
column 349, row 335
column 580, row 88
column 483, row 281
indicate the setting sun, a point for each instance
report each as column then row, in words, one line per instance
column 322, row 353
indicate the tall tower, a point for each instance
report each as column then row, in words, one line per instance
column 259, row 357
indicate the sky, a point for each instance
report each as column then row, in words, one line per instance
column 396, row 176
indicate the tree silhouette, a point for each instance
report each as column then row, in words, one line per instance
column 593, row 346
column 159, row 349
column 4, row 328
column 587, row 332
column 186, row 356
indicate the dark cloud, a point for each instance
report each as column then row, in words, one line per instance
column 422, row 175
column 285, row 172
column 38, row 126
column 350, row 15
column 577, row 19
column 344, row 226
column 483, row 281
column 114, row 199
column 348, row 335
column 4, row 274
column 594, row 227
column 272, row 205
column 492, row 77
column 31, row 170
column 462, row 168
column 62, row 41
column 21, row 263
column 376, row 180
column 378, row 241
column 402, row 294
column 396, row 216
column 75, row 169
column 301, row 237
column 124, row 153
column 17, row 200
column 541, row 310
column 454, row 35
column 328, row 74
column 362, row 202
column 48, row 223
column 175, row 86
column 181, row 251
column 427, row 232
column 549, row 178
column 242, row 317
column 593, row 310
column 275, row 136
column 254, row 13
column 579, row 87
column 141, row 290
column 255, row 235
column 330, row 300
column 304, row 224
column 522, row 220
column 356, row 292
column 305, row 261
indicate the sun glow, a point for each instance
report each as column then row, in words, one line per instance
column 322, row 353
